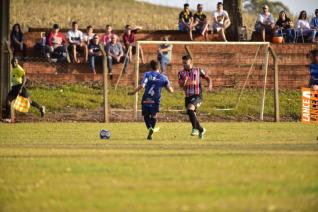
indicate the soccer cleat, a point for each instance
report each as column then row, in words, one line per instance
column 42, row 111
column 201, row 134
column 156, row 129
column 7, row 120
column 150, row 132
column 194, row 132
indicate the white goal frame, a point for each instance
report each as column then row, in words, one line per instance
column 268, row 51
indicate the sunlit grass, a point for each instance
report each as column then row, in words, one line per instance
column 237, row 167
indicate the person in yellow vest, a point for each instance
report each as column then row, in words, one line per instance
column 18, row 80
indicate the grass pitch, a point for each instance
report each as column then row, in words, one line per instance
column 238, row 167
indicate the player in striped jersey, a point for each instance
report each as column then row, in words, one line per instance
column 190, row 80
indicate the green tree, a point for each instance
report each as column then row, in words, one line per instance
column 255, row 6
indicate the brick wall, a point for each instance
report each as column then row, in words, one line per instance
column 227, row 65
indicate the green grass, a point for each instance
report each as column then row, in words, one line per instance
column 58, row 99
column 238, row 167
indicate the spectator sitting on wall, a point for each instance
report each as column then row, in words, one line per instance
column 129, row 40
column 313, row 82
column 56, row 44
column 164, row 55
column 87, row 37
column 115, row 54
column 106, row 37
column 220, row 21
column 303, row 26
column 76, row 42
column 16, row 39
column 185, row 20
column 284, row 26
column 265, row 23
column 314, row 22
column 94, row 53
column 200, row 22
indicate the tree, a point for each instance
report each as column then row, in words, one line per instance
column 255, row 6
column 234, row 8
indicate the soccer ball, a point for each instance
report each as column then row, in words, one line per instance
column 104, row 134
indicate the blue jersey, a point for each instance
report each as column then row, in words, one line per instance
column 154, row 82
column 314, row 71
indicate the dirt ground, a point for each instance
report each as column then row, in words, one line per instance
column 88, row 115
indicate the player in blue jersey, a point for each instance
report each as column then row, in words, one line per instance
column 313, row 82
column 153, row 82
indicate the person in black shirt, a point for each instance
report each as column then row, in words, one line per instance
column 284, row 27
column 185, row 19
column 94, row 53
column 200, row 22
column 16, row 40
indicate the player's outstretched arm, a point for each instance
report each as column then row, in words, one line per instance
column 209, row 80
column 170, row 89
column 139, row 87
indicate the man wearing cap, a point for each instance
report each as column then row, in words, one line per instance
column 56, row 44
column 265, row 23
column 185, row 19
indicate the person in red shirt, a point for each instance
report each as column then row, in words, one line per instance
column 129, row 39
column 107, row 36
column 56, row 44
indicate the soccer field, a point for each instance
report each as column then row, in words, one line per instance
column 237, row 167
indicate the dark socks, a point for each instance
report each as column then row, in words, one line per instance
column 147, row 120
column 36, row 105
column 153, row 121
column 150, row 121
column 195, row 123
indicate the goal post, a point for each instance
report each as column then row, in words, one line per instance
column 265, row 56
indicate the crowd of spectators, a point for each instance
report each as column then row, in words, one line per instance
column 89, row 45
column 265, row 24
column 284, row 26
column 199, row 22
column 77, row 47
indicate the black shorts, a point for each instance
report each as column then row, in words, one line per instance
column 149, row 109
column 194, row 100
column 14, row 92
column 313, row 82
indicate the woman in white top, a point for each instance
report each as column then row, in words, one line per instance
column 220, row 20
column 88, row 36
column 304, row 26
column 265, row 23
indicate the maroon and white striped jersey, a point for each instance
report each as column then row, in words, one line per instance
column 193, row 81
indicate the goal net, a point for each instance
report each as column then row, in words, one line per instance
column 240, row 73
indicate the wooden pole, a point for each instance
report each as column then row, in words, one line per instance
column 276, row 85
column 4, row 54
column 136, row 81
column 126, row 61
column 105, row 80
column 265, row 69
column 276, row 91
